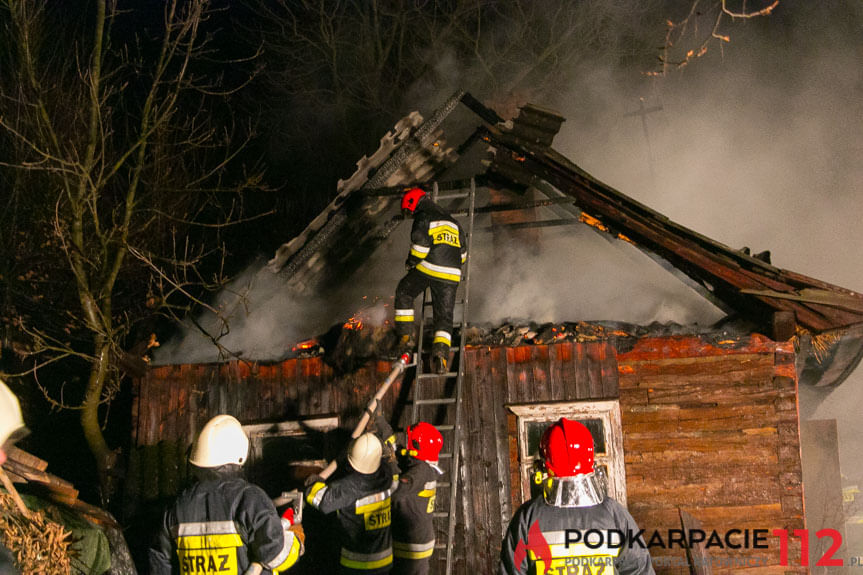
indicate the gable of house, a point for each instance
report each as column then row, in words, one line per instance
column 827, row 319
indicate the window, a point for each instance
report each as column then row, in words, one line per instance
column 602, row 418
column 282, row 454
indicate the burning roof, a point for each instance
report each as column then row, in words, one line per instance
column 517, row 155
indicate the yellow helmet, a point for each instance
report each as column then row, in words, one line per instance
column 365, row 453
column 221, row 442
column 11, row 421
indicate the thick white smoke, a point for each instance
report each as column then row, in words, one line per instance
column 758, row 144
column 761, row 147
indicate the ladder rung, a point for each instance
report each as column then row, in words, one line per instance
column 444, row 484
column 430, row 302
column 441, row 401
column 445, row 427
column 435, row 375
column 437, row 514
column 444, row 455
column 440, row 545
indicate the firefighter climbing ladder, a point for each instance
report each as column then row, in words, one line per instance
column 451, row 392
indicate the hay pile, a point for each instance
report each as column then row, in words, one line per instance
column 39, row 545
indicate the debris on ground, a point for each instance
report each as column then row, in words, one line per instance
column 39, row 544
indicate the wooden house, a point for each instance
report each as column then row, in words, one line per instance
column 697, row 425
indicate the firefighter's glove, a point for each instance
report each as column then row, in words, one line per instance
column 388, row 456
column 297, row 530
column 381, row 427
column 312, row 479
column 409, row 265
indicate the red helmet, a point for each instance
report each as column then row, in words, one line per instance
column 411, row 199
column 567, row 447
column 424, row 441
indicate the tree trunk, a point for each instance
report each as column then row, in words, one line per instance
column 105, row 458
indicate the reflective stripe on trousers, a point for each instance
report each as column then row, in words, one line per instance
column 413, row 550
column 356, row 560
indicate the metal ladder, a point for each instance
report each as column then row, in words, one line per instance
column 451, row 382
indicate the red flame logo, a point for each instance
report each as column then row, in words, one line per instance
column 535, row 542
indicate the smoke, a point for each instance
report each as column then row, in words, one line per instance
column 246, row 315
column 757, row 144
column 577, row 275
column 258, row 318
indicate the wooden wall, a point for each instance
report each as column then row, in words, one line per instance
column 708, row 426
column 712, row 428
column 495, row 377
column 172, row 404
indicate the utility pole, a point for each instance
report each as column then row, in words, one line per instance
column 643, row 112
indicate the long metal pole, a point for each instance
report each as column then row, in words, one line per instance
column 398, row 368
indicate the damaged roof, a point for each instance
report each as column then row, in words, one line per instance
column 517, row 156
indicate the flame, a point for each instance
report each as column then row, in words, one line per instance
column 353, row 323
column 305, row 345
column 591, row 221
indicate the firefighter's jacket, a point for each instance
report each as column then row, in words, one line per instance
column 7, row 565
column 220, row 525
column 438, row 243
column 363, row 504
column 536, row 541
column 413, row 506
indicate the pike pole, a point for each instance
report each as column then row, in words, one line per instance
column 291, row 497
column 398, row 368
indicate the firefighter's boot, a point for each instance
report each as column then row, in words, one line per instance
column 440, row 358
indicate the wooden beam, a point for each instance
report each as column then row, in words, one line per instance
column 697, row 555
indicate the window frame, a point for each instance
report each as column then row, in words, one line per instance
column 258, row 432
column 607, row 411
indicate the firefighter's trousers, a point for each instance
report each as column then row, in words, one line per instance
column 410, row 566
column 443, row 302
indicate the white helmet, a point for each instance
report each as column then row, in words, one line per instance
column 221, row 442
column 365, row 453
column 11, row 422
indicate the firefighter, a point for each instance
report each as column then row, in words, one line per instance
column 438, row 250
column 12, row 429
column 543, row 536
column 12, row 426
column 413, row 501
column 361, row 499
column 222, row 523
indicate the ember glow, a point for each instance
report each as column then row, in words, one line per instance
column 306, row 345
column 591, row 221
